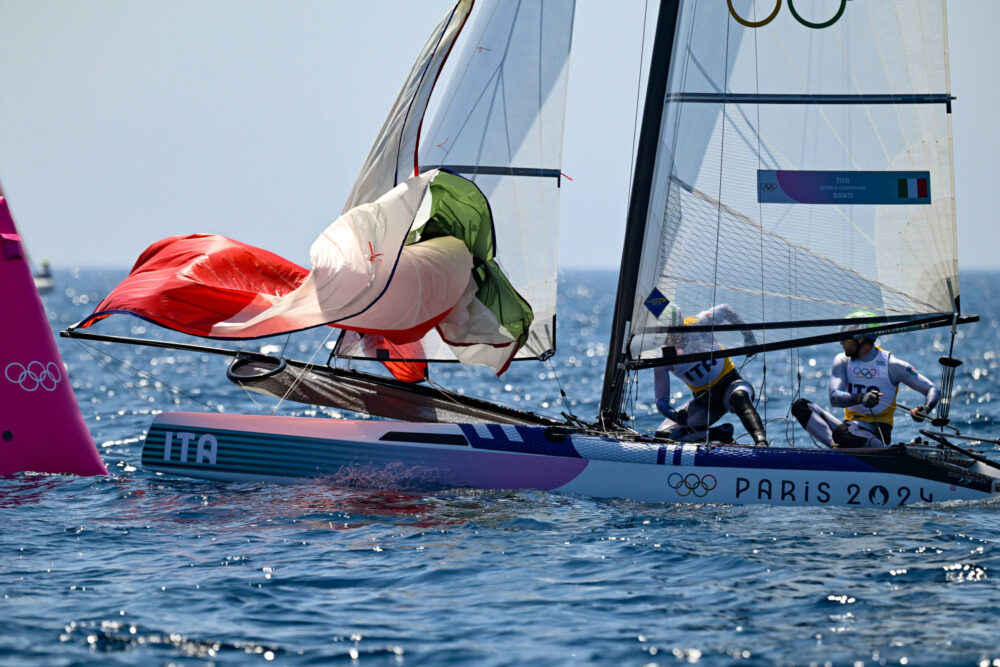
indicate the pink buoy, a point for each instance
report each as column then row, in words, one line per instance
column 41, row 428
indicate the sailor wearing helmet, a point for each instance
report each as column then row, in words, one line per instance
column 864, row 382
column 717, row 386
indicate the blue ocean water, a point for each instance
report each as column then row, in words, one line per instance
column 139, row 568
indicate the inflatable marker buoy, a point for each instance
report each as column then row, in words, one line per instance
column 41, row 428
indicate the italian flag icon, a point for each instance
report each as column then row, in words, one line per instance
column 912, row 188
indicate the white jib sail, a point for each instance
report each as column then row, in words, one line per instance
column 499, row 123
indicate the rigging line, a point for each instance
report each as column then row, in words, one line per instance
column 305, row 368
column 795, row 358
column 638, row 95
column 718, row 220
column 256, row 406
column 107, row 367
column 634, row 396
column 760, row 217
column 562, row 390
column 93, row 352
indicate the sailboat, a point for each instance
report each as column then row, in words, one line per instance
column 44, row 282
column 768, row 137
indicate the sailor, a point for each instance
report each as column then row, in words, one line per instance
column 864, row 381
column 717, row 386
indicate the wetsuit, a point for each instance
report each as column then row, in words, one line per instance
column 878, row 370
column 716, row 385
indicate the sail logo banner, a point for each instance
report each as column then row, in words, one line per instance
column 843, row 187
column 656, row 302
column 791, row 7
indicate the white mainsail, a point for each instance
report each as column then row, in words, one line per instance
column 845, row 108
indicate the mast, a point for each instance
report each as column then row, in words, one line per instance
column 642, row 184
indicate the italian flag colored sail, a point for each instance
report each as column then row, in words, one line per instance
column 419, row 257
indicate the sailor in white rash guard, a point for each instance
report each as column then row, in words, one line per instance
column 717, row 386
column 864, row 382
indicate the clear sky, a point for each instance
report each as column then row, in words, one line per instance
column 122, row 122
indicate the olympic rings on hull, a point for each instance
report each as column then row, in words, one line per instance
column 33, row 376
column 692, row 484
column 791, row 7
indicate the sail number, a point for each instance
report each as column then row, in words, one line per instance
column 791, row 8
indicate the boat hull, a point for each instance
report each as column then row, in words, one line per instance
column 416, row 456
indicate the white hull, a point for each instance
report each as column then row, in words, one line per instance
column 416, row 456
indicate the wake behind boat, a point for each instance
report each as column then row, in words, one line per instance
column 796, row 197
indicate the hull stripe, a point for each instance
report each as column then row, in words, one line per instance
column 688, row 454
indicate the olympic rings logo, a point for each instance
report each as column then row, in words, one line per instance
column 866, row 373
column 692, row 484
column 769, row 187
column 34, row 375
column 791, row 7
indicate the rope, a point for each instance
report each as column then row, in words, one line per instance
column 760, row 217
column 298, row 378
column 718, row 219
column 97, row 357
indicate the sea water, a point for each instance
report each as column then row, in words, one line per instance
column 141, row 568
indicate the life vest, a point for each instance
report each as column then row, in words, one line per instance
column 701, row 375
column 864, row 376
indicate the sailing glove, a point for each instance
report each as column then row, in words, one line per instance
column 869, row 399
column 663, row 405
column 921, row 413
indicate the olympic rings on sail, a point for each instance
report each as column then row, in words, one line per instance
column 692, row 484
column 753, row 24
column 791, row 7
column 34, row 375
column 866, row 373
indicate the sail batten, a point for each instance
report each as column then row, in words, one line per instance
column 764, row 98
column 492, row 170
column 764, row 326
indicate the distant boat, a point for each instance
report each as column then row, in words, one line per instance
column 44, row 282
